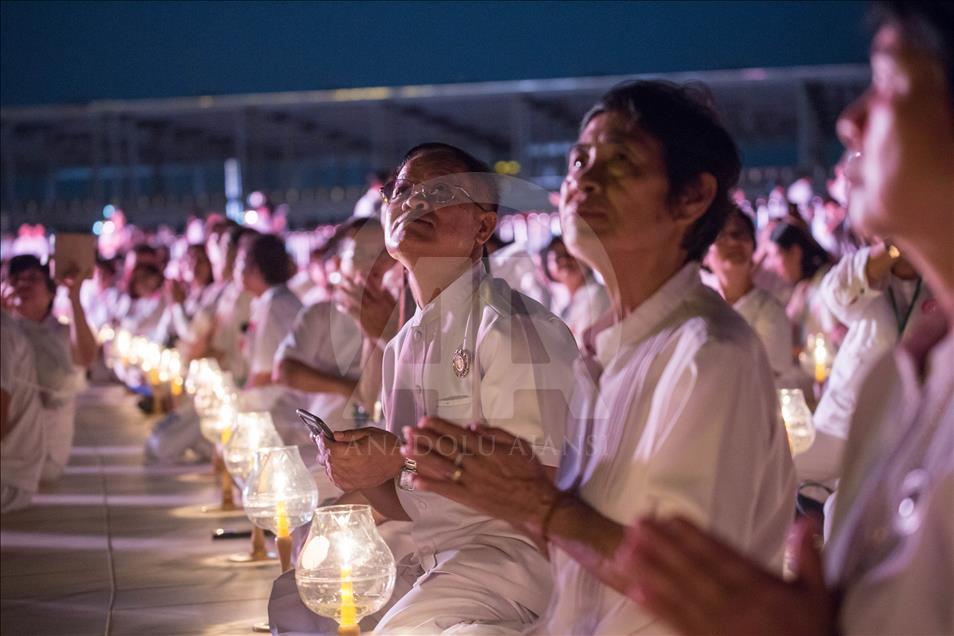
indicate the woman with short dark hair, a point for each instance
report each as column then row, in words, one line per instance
column 730, row 259
column 800, row 261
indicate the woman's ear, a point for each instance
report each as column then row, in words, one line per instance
column 695, row 199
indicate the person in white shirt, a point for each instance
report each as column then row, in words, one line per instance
column 676, row 413
column 100, row 294
column 474, row 348
column 61, row 352
column 880, row 296
column 22, row 434
column 185, row 297
column 232, row 311
column 321, row 357
column 264, row 269
column 889, row 564
column 795, row 257
column 576, row 296
column 730, row 261
column 140, row 308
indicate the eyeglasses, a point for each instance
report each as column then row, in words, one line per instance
column 436, row 193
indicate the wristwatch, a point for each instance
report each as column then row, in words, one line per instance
column 406, row 478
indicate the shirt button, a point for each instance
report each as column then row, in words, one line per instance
column 417, row 335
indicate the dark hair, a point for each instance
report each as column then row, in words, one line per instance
column 144, row 248
column 462, row 161
column 236, row 233
column 929, row 26
column 693, row 142
column 545, row 254
column 737, row 213
column 786, row 236
column 267, row 253
column 25, row 262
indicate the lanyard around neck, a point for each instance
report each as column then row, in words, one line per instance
column 903, row 321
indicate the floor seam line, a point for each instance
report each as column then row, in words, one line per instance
column 109, row 546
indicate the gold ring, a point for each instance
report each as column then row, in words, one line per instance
column 459, row 460
column 458, row 473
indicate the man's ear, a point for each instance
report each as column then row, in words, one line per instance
column 487, row 223
column 695, row 199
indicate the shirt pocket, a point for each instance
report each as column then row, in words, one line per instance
column 456, row 408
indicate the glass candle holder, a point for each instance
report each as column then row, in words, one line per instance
column 280, row 495
column 798, row 420
column 345, row 569
column 252, row 431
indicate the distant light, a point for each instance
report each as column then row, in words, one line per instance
column 256, row 199
column 251, row 217
column 507, row 167
column 108, row 210
column 109, row 227
column 98, row 228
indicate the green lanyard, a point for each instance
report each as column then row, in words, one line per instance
column 903, row 322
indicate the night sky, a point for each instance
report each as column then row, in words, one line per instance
column 63, row 52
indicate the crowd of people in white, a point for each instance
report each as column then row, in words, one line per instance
column 625, row 374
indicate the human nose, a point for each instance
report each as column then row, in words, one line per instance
column 586, row 180
column 851, row 123
column 416, row 200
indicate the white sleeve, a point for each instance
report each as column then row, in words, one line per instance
column 845, row 289
column 267, row 337
column 719, row 452
column 775, row 332
column 302, row 342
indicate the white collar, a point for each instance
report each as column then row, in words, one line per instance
column 453, row 296
column 648, row 315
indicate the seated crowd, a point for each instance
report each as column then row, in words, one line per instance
column 608, row 455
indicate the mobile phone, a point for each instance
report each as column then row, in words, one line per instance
column 315, row 424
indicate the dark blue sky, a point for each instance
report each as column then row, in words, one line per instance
column 58, row 52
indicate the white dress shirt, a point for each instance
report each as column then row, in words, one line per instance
column 23, row 449
column 581, row 310
column 231, row 322
column 873, row 330
column 683, row 420
column 330, row 341
column 767, row 317
column 518, row 359
column 139, row 316
column 273, row 314
column 892, row 545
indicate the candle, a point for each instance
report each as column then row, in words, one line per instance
column 281, row 519
column 282, row 537
column 349, row 616
column 821, row 359
column 177, row 383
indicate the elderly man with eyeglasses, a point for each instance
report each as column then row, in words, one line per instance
column 475, row 350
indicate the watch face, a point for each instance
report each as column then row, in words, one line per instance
column 406, row 480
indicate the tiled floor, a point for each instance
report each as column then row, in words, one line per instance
column 114, row 547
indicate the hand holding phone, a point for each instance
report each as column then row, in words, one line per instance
column 315, row 424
